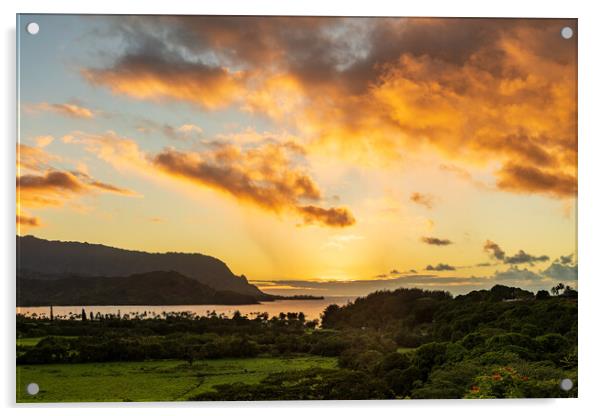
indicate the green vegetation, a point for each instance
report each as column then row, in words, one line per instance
column 160, row 380
column 407, row 343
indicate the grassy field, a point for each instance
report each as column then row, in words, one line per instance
column 165, row 380
column 32, row 342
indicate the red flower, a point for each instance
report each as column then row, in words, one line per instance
column 496, row 377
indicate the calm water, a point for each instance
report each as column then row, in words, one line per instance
column 311, row 308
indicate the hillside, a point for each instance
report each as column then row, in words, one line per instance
column 154, row 288
column 43, row 259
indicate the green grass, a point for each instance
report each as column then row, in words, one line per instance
column 162, row 380
column 32, row 342
column 403, row 350
column 28, row 342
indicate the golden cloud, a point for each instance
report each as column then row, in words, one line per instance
column 40, row 185
column 264, row 176
column 26, row 221
column 487, row 92
column 33, row 159
column 265, row 173
column 64, row 109
column 144, row 77
column 54, row 186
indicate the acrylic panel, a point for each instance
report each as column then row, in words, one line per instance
column 233, row 208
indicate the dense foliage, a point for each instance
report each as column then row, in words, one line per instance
column 408, row 343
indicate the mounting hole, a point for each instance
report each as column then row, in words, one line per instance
column 566, row 384
column 566, row 32
column 33, row 389
column 33, row 28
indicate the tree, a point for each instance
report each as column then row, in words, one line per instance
column 542, row 294
column 557, row 289
column 84, row 316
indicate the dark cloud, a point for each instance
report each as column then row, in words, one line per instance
column 494, row 250
column 52, row 180
column 568, row 259
column 531, row 179
column 440, row 267
column 521, row 257
column 436, row 241
column 332, row 217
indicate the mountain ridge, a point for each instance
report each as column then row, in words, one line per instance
column 54, row 259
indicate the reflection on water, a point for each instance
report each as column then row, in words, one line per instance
column 311, row 308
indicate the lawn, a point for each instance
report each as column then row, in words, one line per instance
column 32, row 342
column 161, row 380
column 28, row 342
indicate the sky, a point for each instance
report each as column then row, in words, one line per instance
column 313, row 155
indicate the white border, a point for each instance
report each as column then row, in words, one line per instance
column 590, row 207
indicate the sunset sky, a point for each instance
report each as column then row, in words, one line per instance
column 307, row 152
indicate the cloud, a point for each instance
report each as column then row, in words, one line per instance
column 517, row 276
column 568, row 259
column 190, row 128
column 33, row 159
column 531, row 179
column 560, row 271
column 269, row 175
column 440, row 267
column 265, row 176
column 27, row 221
column 425, row 200
column 522, row 257
column 494, row 250
column 490, row 87
column 183, row 132
column 43, row 141
column 41, row 185
column 436, row 241
column 153, row 77
column 333, row 217
column 53, row 187
column 65, row 109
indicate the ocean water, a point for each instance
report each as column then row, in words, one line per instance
column 311, row 308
